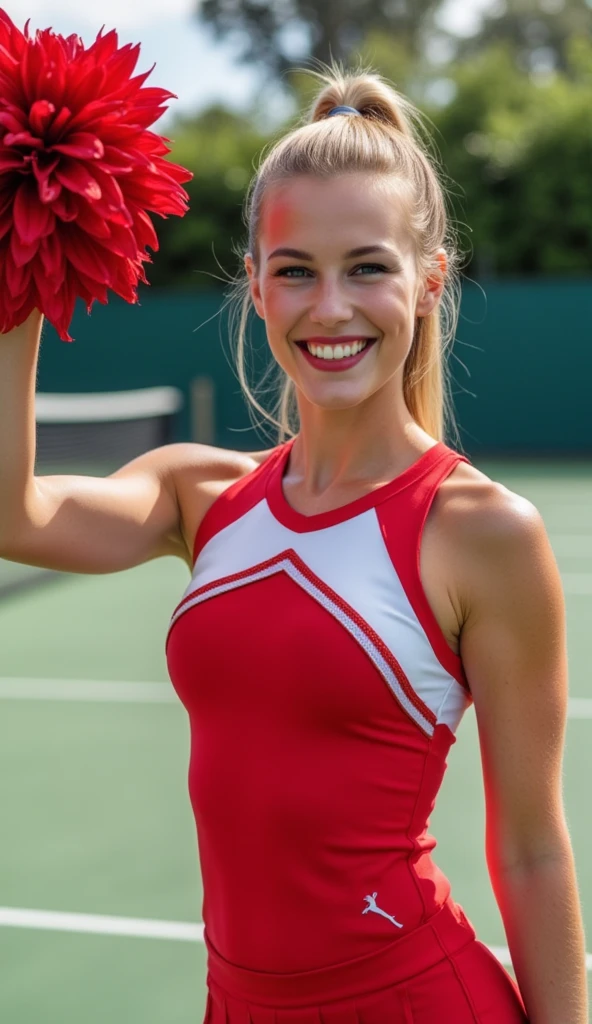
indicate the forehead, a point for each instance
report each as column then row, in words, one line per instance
column 341, row 213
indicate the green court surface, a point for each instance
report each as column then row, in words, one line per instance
column 95, row 812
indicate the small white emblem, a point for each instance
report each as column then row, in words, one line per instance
column 372, row 908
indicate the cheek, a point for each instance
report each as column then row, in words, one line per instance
column 398, row 301
column 385, row 307
column 281, row 304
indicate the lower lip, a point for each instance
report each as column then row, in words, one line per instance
column 334, row 365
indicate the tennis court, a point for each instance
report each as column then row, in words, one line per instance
column 99, row 885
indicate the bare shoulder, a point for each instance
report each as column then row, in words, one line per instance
column 483, row 511
column 510, row 609
column 492, row 541
column 199, row 474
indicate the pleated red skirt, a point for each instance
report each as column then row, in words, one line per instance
column 438, row 974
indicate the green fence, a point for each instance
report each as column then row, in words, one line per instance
column 528, row 347
column 522, row 363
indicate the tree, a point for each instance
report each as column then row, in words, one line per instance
column 538, row 32
column 516, row 149
column 521, row 151
column 199, row 251
column 280, row 34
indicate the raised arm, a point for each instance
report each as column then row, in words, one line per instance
column 514, row 650
column 150, row 507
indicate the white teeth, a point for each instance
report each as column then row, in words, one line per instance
column 336, row 351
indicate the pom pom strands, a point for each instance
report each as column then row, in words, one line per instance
column 79, row 172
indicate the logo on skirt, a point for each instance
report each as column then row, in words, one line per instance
column 372, row 908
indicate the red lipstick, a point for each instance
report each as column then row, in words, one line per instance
column 334, row 365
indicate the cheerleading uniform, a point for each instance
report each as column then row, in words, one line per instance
column 323, row 700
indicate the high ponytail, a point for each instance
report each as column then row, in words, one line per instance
column 369, row 95
column 388, row 138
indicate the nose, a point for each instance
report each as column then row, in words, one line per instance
column 330, row 305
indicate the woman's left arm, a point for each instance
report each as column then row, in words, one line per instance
column 513, row 647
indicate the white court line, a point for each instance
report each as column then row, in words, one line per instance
column 580, row 707
column 502, row 953
column 87, row 690
column 99, row 924
column 95, row 690
column 577, row 582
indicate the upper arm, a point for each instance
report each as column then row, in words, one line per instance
column 105, row 524
column 513, row 648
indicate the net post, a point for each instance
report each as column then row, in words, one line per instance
column 203, row 418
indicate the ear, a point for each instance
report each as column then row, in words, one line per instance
column 432, row 287
column 254, row 285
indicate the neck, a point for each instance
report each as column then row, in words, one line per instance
column 370, row 442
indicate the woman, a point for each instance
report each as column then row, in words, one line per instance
column 353, row 591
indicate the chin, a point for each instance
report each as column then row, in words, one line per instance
column 336, row 398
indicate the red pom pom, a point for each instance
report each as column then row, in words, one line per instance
column 78, row 172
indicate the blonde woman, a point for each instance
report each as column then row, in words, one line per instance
column 353, row 591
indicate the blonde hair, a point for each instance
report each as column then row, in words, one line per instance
column 387, row 139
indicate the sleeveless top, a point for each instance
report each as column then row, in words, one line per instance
column 323, row 699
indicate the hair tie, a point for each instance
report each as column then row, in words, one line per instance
column 344, row 110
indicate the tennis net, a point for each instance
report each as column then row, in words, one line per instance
column 100, row 431
column 94, row 434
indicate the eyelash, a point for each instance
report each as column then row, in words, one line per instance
column 286, row 271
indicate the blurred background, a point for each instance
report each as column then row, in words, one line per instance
column 99, row 883
column 508, row 89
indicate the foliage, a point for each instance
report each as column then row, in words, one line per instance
column 520, row 148
column 221, row 149
column 516, row 149
column 280, row 34
column 538, row 33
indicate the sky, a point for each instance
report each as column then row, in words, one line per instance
column 187, row 60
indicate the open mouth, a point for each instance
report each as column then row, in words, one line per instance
column 338, row 356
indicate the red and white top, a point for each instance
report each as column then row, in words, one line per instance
column 323, row 699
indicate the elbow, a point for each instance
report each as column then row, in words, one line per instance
column 14, row 533
column 15, row 521
column 529, row 857
column 8, row 543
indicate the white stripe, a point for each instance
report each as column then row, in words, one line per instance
column 502, row 953
column 140, row 927
column 579, row 707
column 366, row 581
column 106, row 691
column 577, row 582
column 98, row 924
column 87, row 690
column 261, row 574
column 364, row 641
column 573, row 583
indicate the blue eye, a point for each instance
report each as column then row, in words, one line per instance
column 291, row 272
column 372, row 268
column 361, row 270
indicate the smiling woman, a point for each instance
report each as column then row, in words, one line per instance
column 375, row 585
column 353, row 591
column 375, row 167
column 343, row 349
column 371, row 295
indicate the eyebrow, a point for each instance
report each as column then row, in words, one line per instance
column 362, row 250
